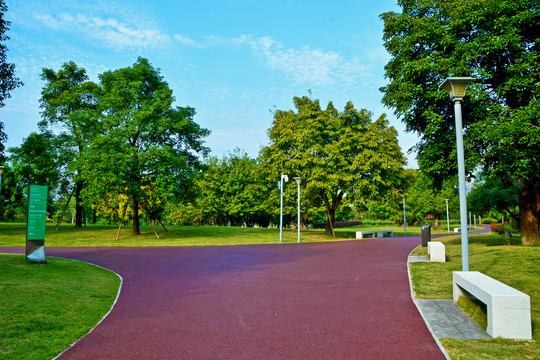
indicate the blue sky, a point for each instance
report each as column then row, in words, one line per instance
column 232, row 60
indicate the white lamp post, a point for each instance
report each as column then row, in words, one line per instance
column 404, row 218
column 1, row 171
column 456, row 87
column 298, row 181
column 447, row 217
column 286, row 178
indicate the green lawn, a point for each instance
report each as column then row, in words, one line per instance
column 45, row 308
column 515, row 265
column 105, row 235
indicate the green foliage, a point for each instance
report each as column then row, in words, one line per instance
column 343, row 156
column 8, row 80
column 494, row 41
column 233, row 192
column 69, row 103
column 146, row 149
column 494, row 193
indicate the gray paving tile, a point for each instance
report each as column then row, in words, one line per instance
column 416, row 258
column 448, row 321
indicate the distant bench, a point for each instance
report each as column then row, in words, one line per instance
column 371, row 234
column 361, row 234
column 381, row 233
column 459, row 229
column 508, row 309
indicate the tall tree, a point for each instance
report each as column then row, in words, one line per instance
column 495, row 41
column 8, row 80
column 146, row 147
column 69, row 101
column 338, row 153
column 231, row 191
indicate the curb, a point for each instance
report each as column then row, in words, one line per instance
column 441, row 347
column 104, row 316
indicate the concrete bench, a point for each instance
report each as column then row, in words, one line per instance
column 436, row 251
column 360, row 234
column 508, row 310
column 459, row 229
column 380, row 233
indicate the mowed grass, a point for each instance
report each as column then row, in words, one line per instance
column 45, row 308
column 515, row 265
column 105, row 235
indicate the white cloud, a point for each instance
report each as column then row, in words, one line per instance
column 188, row 42
column 111, row 31
column 306, row 65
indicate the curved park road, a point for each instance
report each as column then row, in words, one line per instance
column 340, row 300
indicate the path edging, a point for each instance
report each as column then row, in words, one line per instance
column 104, row 316
column 439, row 344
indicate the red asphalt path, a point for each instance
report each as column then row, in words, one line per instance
column 340, row 300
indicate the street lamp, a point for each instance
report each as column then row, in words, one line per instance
column 298, row 181
column 286, row 178
column 1, row 171
column 447, row 217
column 456, row 87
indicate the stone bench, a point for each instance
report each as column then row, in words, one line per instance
column 380, row 233
column 508, row 310
column 459, row 229
column 436, row 251
column 360, row 234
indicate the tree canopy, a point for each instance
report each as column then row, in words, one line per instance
column 496, row 42
column 69, row 103
column 340, row 154
column 146, row 148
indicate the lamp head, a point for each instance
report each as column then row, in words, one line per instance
column 456, row 86
column 298, row 180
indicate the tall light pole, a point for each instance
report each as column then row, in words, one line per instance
column 456, row 87
column 447, row 217
column 286, row 178
column 298, row 181
column 404, row 218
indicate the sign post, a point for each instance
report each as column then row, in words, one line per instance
column 35, row 224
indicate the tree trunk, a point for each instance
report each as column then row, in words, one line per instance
column 436, row 223
column 78, row 204
column 528, row 213
column 136, row 221
column 330, row 212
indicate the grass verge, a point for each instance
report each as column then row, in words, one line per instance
column 13, row 234
column 45, row 308
column 513, row 264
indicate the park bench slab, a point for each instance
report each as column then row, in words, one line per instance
column 436, row 251
column 362, row 234
column 380, row 233
column 459, row 229
column 508, row 309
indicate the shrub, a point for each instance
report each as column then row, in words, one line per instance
column 500, row 228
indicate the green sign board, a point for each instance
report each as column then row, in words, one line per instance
column 35, row 225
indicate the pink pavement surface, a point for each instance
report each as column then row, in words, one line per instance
column 339, row 300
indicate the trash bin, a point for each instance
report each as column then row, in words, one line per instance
column 426, row 235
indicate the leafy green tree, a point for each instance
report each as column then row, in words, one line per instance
column 495, row 41
column 8, row 80
column 38, row 161
column 146, row 148
column 232, row 192
column 338, row 153
column 495, row 193
column 69, row 102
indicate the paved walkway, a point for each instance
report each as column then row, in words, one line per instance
column 341, row 300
